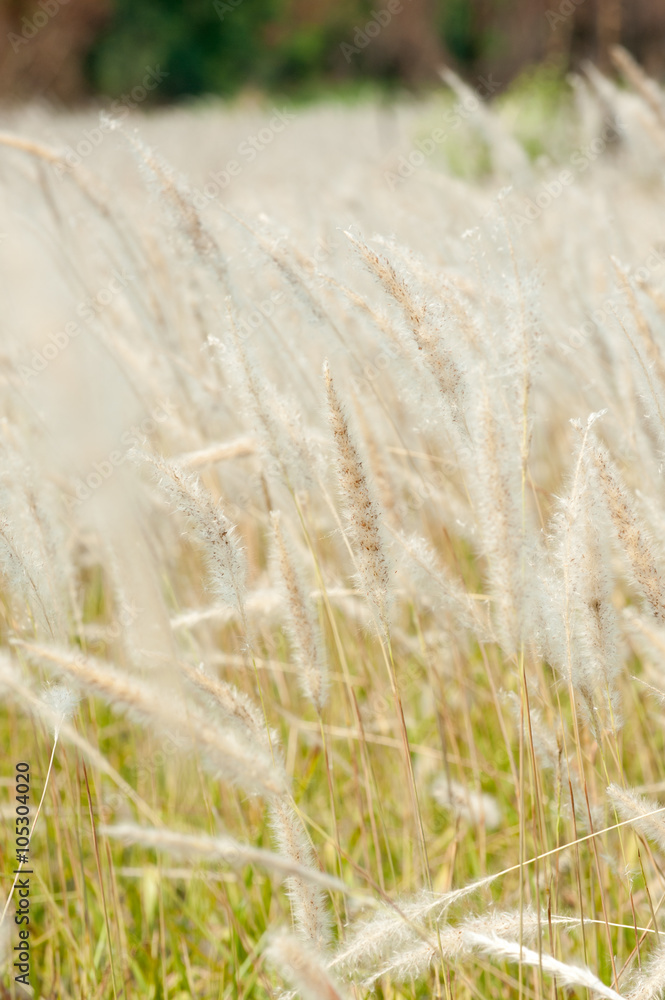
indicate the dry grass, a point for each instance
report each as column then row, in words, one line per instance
column 349, row 545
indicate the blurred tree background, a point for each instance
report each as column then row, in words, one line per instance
column 71, row 50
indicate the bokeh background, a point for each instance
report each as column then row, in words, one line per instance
column 74, row 51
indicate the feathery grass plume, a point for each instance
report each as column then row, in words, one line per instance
column 649, row 982
column 43, row 539
column 474, row 807
column 295, row 848
column 434, row 583
column 241, row 447
column 34, row 555
column 303, row 621
column 12, row 680
column 361, row 508
column 235, row 705
column 301, row 966
column 22, row 578
column 55, row 705
column 62, row 701
column 497, row 469
column 380, row 464
column 90, row 186
column 631, row 285
column 568, row 975
column 646, row 358
column 414, row 959
column 425, row 323
column 647, row 639
column 220, row 848
column 391, row 929
column 495, row 483
column 273, row 248
column 640, row 811
column 226, row 560
column 440, row 354
column 307, row 902
column 225, row 751
column 443, row 282
column 277, row 419
column 179, row 200
column 632, row 534
column 264, row 603
column 585, row 647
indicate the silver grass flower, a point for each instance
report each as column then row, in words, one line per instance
column 391, row 928
column 647, row 816
column 278, row 423
column 236, row 707
column 452, row 943
column 568, row 975
column 307, row 901
column 649, row 983
column 221, row 848
column 361, row 508
column 302, row 967
column 304, row 625
column 226, row 560
column 632, row 534
column 586, row 648
column 225, row 750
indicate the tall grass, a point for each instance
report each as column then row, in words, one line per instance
column 330, row 536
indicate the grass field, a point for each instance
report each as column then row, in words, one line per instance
column 332, row 602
